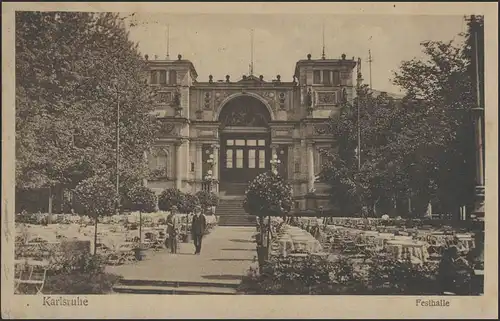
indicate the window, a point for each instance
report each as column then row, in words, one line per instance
column 262, row 142
column 251, row 142
column 262, row 159
column 336, row 78
column 230, row 142
column 172, row 77
column 229, row 158
column 326, row 77
column 240, row 142
column 154, row 77
column 161, row 161
column 239, row 158
column 251, row 158
column 163, row 76
column 317, row 76
column 158, row 159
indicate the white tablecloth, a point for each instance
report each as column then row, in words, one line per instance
column 415, row 250
column 296, row 239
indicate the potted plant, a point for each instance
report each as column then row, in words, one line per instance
column 140, row 251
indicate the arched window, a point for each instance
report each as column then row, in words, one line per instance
column 158, row 159
column 161, row 159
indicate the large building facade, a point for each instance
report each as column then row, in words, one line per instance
column 230, row 130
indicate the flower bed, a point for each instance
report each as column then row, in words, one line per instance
column 345, row 275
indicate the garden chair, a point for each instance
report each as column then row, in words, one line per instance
column 30, row 273
column 349, row 247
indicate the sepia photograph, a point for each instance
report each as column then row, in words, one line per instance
column 247, row 154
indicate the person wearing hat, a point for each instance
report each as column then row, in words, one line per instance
column 173, row 224
column 198, row 227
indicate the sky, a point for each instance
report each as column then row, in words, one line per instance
column 220, row 44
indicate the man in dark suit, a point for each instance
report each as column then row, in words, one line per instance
column 198, row 227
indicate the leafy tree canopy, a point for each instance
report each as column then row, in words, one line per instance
column 419, row 146
column 72, row 71
column 96, row 195
column 268, row 194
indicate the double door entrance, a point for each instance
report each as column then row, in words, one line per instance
column 243, row 157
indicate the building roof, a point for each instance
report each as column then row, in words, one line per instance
column 351, row 63
column 178, row 62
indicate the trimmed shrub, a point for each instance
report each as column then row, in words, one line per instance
column 313, row 275
column 268, row 194
column 188, row 203
column 169, row 198
column 207, row 199
column 97, row 196
column 142, row 199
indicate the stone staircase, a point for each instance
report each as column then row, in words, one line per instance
column 174, row 287
column 230, row 209
column 231, row 213
column 233, row 189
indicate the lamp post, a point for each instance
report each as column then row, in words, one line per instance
column 208, row 179
column 115, row 84
column 477, row 215
column 209, row 175
column 275, row 162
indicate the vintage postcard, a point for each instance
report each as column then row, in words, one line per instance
column 274, row 160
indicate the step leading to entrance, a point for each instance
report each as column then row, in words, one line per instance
column 231, row 213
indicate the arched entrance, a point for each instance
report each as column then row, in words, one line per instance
column 244, row 141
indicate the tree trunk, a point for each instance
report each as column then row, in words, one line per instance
column 49, row 217
column 261, row 230
column 140, row 226
column 95, row 235
column 268, row 235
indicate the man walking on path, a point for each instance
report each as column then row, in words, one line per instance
column 173, row 224
column 198, row 228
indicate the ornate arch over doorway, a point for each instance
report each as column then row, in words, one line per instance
column 244, row 140
column 239, row 97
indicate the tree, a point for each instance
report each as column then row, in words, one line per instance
column 268, row 195
column 443, row 81
column 366, row 181
column 72, row 71
column 97, row 197
column 409, row 147
column 142, row 199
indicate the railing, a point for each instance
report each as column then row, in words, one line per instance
column 206, row 186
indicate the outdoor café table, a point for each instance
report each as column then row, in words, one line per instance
column 403, row 237
column 386, row 236
column 309, row 245
column 285, row 245
column 417, row 249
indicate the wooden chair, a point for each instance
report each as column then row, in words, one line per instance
column 30, row 273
